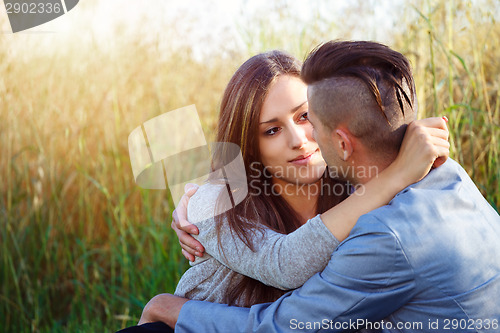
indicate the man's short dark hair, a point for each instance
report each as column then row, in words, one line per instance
column 365, row 85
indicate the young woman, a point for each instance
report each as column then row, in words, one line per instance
column 275, row 239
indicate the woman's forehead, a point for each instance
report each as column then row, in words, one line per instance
column 285, row 95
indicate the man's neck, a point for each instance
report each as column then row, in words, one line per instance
column 366, row 171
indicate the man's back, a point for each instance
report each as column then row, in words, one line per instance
column 427, row 262
column 450, row 237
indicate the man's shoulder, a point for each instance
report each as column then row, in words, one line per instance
column 448, row 177
column 420, row 201
column 443, row 185
column 445, row 202
column 445, row 190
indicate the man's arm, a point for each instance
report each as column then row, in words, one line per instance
column 367, row 278
column 163, row 307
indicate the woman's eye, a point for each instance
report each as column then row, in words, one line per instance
column 303, row 116
column 272, row 131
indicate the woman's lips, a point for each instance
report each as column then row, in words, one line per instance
column 303, row 159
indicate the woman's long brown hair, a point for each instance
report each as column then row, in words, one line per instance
column 238, row 123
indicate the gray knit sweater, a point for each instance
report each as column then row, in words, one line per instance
column 283, row 261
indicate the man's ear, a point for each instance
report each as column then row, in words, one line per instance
column 344, row 144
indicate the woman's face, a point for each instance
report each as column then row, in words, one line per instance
column 287, row 148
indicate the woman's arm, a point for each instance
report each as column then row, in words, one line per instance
column 282, row 261
column 425, row 144
column 287, row 261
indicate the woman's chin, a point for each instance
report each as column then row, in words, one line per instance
column 308, row 181
column 300, row 175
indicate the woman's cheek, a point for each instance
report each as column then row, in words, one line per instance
column 273, row 149
column 309, row 132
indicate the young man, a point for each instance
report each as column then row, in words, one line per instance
column 429, row 261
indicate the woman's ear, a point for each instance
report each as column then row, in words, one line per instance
column 345, row 146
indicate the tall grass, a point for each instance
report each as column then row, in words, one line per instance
column 454, row 49
column 80, row 243
column 82, row 248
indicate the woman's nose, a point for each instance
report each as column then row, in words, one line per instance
column 298, row 137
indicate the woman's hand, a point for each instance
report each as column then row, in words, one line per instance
column 425, row 145
column 190, row 246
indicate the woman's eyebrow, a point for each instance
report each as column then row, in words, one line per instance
column 291, row 111
column 298, row 106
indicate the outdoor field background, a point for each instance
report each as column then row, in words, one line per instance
column 82, row 247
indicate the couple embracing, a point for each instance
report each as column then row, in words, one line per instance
column 408, row 245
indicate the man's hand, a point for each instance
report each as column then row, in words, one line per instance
column 190, row 246
column 164, row 308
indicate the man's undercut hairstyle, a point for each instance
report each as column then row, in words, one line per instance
column 364, row 86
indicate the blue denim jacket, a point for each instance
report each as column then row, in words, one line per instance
column 429, row 261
